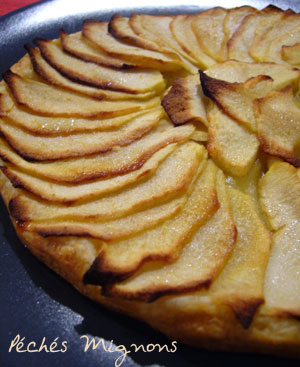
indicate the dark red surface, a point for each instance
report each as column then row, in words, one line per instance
column 6, row 6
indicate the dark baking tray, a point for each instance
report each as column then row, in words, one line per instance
column 35, row 302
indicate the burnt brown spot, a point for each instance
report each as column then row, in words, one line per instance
column 245, row 310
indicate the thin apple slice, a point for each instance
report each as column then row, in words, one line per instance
column 97, row 76
column 234, row 18
column 185, row 101
column 278, row 125
column 181, row 27
column 172, row 178
column 119, row 27
column 119, row 260
column 232, row 21
column 240, row 285
column 286, row 32
column 279, row 195
column 236, row 71
column 291, row 54
column 118, row 162
column 159, row 28
column 268, row 29
column 52, row 76
column 240, row 42
column 282, row 281
column 73, row 193
column 199, row 262
column 208, row 28
column 75, row 44
column 290, row 36
column 48, row 100
column 33, row 147
column 97, row 34
column 236, row 99
column 112, row 230
column 232, row 146
column 53, row 126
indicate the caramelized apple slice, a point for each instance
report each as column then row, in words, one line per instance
column 236, row 99
column 47, row 100
column 75, row 44
column 118, row 162
column 44, row 125
column 286, row 32
column 291, row 54
column 279, row 195
column 240, row 285
column 269, row 32
column 197, row 266
column 44, row 148
column 52, row 76
column 181, row 27
column 240, row 43
column 97, row 33
column 233, row 147
column 113, row 230
column 278, row 124
column 234, row 18
column 208, row 28
column 284, row 35
column 232, row 21
column 237, row 71
column 97, row 76
column 179, row 169
column 120, row 28
column 119, row 260
column 158, row 28
column 71, row 193
column 185, row 101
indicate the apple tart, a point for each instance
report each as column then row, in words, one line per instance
column 153, row 162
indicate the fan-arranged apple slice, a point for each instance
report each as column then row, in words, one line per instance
column 120, row 28
column 162, row 243
column 171, row 178
column 208, row 28
column 291, row 54
column 236, row 71
column 240, row 285
column 75, row 44
column 236, row 99
column 253, row 24
column 185, row 101
column 232, row 146
column 39, row 148
column 181, row 27
column 48, row 100
column 158, row 29
column 286, row 33
column 198, row 264
column 266, row 31
column 53, row 126
column 97, row 33
column 278, row 125
column 72, row 193
column 96, row 75
column 279, row 197
column 112, row 230
column 232, row 20
column 52, row 76
column 118, row 162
